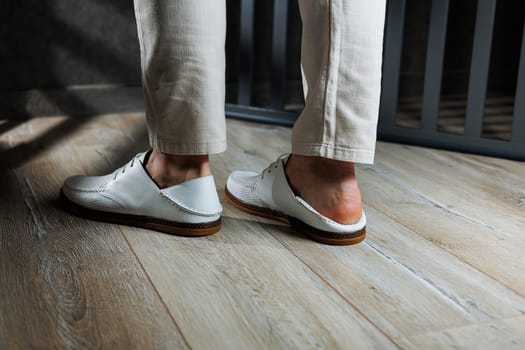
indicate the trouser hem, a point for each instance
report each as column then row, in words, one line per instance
column 363, row 156
column 195, row 148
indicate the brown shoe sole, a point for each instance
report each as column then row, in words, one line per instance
column 166, row 226
column 321, row 236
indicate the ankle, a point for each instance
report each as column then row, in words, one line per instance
column 326, row 170
column 328, row 185
column 171, row 169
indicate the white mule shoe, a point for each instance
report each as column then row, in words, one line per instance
column 269, row 195
column 129, row 196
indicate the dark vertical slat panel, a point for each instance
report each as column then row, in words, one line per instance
column 246, row 53
column 518, row 120
column 437, row 35
column 392, row 61
column 261, row 115
column 480, row 64
column 279, row 35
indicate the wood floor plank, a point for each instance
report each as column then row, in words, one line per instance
column 507, row 166
column 66, row 282
column 508, row 334
column 241, row 289
column 403, row 283
column 480, row 246
column 482, row 297
column 511, row 173
column 459, row 185
column 439, row 208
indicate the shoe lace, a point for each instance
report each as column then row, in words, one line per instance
column 123, row 168
column 273, row 165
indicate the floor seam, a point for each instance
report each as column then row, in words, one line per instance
column 179, row 330
column 336, row 291
column 447, row 251
column 431, row 242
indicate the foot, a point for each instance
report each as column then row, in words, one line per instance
column 328, row 185
column 269, row 194
column 129, row 196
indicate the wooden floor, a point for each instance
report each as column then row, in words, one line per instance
column 443, row 265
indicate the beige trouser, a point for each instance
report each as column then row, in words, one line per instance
column 183, row 66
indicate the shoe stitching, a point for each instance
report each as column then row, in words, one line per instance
column 106, row 197
column 83, row 190
column 114, row 201
column 187, row 209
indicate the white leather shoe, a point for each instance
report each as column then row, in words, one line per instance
column 269, row 195
column 129, row 196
